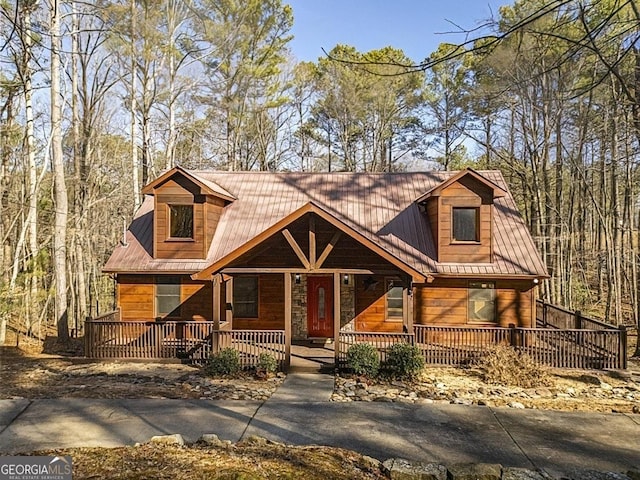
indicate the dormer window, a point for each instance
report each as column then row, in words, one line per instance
column 181, row 221
column 465, row 224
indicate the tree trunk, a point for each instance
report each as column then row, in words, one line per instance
column 133, row 107
column 60, row 187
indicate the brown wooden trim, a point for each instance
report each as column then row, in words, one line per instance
column 149, row 188
column 296, row 248
column 410, row 300
column 312, row 241
column 228, row 314
column 435, row 191
column 336, row 315
column 487, row 276
column 287, row 318
column 215, row 301
column 327, row 250
column 353, row 271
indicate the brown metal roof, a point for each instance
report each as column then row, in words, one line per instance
column 380, row 206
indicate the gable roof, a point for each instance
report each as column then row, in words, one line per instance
column 206, row 186
column 498, row 191
column 309, row 207
column 380, row 207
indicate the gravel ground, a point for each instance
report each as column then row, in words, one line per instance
column 47, row 376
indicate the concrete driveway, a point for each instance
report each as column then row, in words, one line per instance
column 556, row 442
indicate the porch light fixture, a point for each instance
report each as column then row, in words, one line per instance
column 345, row 279
column 228, row 307
column 297, row 279
column 536, row 281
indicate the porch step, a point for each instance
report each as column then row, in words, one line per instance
column 324, row 369
column 304, row 387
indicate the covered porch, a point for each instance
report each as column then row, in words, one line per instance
column 311, row 278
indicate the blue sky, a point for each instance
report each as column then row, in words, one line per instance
column 415, row 26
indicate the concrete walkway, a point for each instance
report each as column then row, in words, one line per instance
column 300, row 413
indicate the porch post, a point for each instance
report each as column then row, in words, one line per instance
column 336, row 317
column 287, row 320
column 216, row 312
column 407, row 300
column 229, row 302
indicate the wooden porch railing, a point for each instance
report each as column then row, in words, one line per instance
column 251, row 343
column 553, row 316
column 568, row 348
column 457, row 345
column 380, row 340
column 191, row 341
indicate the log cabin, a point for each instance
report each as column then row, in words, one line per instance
column 313, row 254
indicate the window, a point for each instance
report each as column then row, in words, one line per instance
column 482, row 302
column 181, row 221
column 394, row 300
column 167, row 296
column 465, row 225
column 245, row 297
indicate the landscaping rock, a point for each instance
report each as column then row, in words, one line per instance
column 211, row 439
column 476, row 471
column 401, row 469
column 511, row 473
column 580, row 474
column 255, row 440
column 634, row 473
column 371, row 464
column 175, row 439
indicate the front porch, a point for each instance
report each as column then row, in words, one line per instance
column 601, row 347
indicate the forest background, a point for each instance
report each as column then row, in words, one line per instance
column 97, row 98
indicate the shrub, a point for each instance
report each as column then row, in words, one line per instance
column 363, row 359
column 225, row 362
column 267, row 363
column 404, row 360
column 503, row 365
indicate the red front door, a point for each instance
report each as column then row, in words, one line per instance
column 320, row 306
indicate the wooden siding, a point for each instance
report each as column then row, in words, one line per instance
column 432, row 208
column 371, row 307
column 136, row 298
column 179, row 191
column 465, row 194
column 270, row 305
column 445, row 302
column 212, row 211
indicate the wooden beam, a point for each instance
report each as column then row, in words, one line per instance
column 287, row 319
column 327, row 250
column 336, row 316
column 217, row 291
column 229, row 301
column 353, row 271
column 296, row 248
column 312, row 240
column 407, row 304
